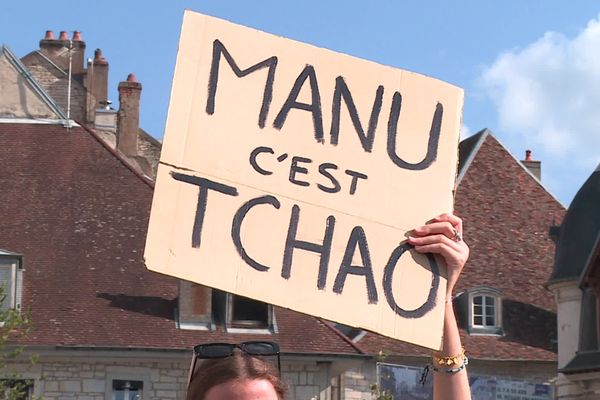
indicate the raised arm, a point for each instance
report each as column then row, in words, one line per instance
column 443, row 236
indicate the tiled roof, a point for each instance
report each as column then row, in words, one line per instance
column 507, row 214
column 78, row 213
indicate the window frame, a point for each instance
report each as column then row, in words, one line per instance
column 13, row 262
column 485, row 292
column 186, row 318
column 120, row 373
column 139, row 390
column 234, row 326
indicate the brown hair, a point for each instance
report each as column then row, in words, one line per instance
column 238, row 366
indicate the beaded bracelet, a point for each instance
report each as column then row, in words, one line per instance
column 453, row 370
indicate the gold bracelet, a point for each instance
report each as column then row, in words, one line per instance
column 449, row 361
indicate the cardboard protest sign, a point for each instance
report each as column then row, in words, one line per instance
column 292, row 174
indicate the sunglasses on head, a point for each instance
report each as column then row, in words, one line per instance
column 223, row 350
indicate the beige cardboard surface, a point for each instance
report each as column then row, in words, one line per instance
column 244, row 158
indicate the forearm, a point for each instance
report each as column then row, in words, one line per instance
column 451, row 386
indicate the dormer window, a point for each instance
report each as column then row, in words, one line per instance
column 248, row 315
column 203, row 308
column 485, row 311
column 11, row 279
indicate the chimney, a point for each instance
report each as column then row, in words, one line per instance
column 128, row 119
column 97, row 84
column 58, row 50
column 535, row 167
column 78, row 56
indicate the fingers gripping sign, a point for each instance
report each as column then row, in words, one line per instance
column 443, row 236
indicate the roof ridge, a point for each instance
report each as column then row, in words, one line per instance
column 148, row 181
column 538, row 181
column 33, row 83
column 341, row 335
column 483, row 135
column 51, row 62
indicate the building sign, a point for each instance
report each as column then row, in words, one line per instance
column 292, row 174
column 404, row 382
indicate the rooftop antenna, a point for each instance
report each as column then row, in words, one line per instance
column 106, row 104
column 68, row 126
column 63, row 36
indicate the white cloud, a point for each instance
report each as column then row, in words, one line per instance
column 548, row 96
column 465, row 131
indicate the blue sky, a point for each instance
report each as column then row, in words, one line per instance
column 530, row 69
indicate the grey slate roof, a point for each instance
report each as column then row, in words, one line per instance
column 578, row 232
column 584, row 361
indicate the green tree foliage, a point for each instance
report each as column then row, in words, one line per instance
column 15, row 325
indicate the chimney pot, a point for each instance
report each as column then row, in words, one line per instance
column 99, row 58
column 131, row 78
column 535, row 167
column 77, row 36
column 63, row 35
column 49, row 35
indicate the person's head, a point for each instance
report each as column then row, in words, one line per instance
column 239, row 375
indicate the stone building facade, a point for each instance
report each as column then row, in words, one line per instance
column 575, row 282
column 91, row 374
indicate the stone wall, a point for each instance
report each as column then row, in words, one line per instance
column 92, row 380
column 356, row 383
column 90, row 377
column 55, row 83
column 307, row 379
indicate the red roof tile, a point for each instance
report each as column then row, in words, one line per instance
column 79, row 215
column 507, row 215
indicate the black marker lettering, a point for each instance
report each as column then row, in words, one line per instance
column 254, row 154
column 357, row 237
column 292, row 243
column 323, row 169
column 294, row 169
column 342, row 92
column 432, row 144
column 270, row 63
column 314, row 107
column 355, row 177
column 388, row 275
column 204, row 186
column 237, row 225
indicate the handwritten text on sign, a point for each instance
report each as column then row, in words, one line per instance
column 291, row 174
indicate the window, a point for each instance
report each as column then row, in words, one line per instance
column 246, row 313
column 11, row 279
column 127, row 390
column 354, row 334
column 194, row 309
column 17, row 389
column 485, row 311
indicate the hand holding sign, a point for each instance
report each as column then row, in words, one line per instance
column 443, row 236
